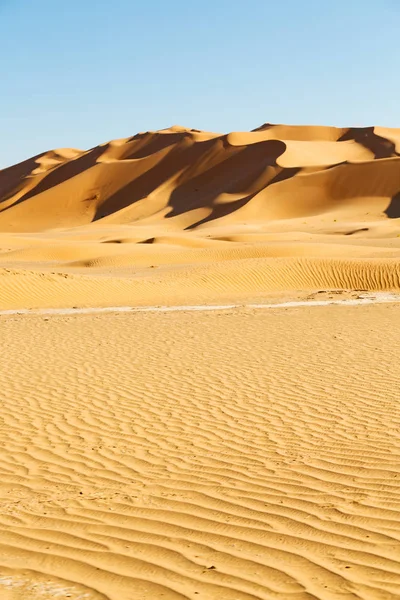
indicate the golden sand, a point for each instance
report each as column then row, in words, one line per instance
column 182, row 216
column 234, row 454
column 237, row 454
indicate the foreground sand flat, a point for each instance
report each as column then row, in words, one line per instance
column 220, row 455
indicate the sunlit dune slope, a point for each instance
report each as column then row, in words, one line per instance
column 273, row 172
column 180, row 197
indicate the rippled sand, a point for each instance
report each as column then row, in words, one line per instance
column 234, row 454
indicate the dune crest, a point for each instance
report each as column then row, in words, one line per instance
column 185, row 169
column 179, row 197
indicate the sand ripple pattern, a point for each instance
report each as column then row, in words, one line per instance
column 233, row 281
column 228, row 455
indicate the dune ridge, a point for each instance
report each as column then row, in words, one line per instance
column 179, row 171
column 321, row 200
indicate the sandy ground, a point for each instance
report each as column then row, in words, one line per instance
column 171, row 452
column 234, row 454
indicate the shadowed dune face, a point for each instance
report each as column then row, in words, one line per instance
column 393, row 210
column 176, row 171
column 188, row 214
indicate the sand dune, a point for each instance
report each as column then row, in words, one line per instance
column 167, row 173
column 316, row 206
column 142, row 457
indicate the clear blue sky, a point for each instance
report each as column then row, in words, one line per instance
column 81, row 72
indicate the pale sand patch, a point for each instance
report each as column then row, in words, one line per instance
column 356, row 300
column 234, row 454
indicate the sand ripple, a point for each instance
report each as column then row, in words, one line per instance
column 238, row 454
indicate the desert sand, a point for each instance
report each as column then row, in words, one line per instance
column 181, row 216
column 217, row 429
column 221, row 454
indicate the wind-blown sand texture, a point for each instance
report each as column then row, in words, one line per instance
column 228, row 455
column 182, row 216
column 236, row 454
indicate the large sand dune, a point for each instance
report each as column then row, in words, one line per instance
column 164, row 216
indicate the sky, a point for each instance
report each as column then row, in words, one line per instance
column 82, row 72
